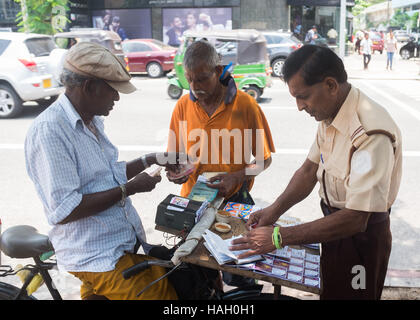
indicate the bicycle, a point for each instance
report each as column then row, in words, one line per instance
column 22, row 242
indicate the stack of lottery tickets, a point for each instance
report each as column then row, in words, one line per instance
column 291, row 264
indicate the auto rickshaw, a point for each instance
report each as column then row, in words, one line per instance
column 244, row 48
column 109, row 39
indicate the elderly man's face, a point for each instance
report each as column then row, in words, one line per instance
column 101, row 97
column 203, row 81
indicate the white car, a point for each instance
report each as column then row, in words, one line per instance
column 401, row 36
column 30, row 65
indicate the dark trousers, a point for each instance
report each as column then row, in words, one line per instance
column 358, row 46
column 342, row 278
column 366, row 60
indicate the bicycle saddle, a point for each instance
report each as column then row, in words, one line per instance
column 24, row 242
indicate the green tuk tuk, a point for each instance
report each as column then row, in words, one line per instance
column 244, row 48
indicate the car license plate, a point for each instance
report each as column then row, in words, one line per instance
column 46, row 83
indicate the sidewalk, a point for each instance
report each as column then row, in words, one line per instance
column 402, row 69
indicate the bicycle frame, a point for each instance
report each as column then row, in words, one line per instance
column 41, row 268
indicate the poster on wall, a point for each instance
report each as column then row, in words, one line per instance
column 128, row 23
column 177, row 21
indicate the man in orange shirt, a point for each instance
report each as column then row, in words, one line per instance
column 219, row 127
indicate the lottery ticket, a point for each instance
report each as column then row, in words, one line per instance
column 294, row 277
column 313, row 282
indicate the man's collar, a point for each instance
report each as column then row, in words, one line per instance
column 69, row 110
column 230, row 92
column 341, row 120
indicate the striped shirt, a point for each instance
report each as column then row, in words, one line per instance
column 65, row 161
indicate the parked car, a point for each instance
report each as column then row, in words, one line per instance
column 401, row 35
column 30, row 65
column 377, row 42
column 279, row 46
column 414, row 36
column 149, row 55
column 407, row 51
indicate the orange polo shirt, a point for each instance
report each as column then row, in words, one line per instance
column 223, row 142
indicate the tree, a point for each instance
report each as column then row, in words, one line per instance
column 414, row 20
column 361, row 5
column 42, row 16
column 400, row 19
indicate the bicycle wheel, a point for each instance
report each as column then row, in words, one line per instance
column 9, row 292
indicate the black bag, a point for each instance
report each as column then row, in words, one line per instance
column 191, row 282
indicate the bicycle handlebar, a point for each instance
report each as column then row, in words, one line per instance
column 137, row 268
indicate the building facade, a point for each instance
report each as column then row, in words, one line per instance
column 377, row 16
column 409, row 6
column 155, row 18
column 8, row 11
column 324, row 14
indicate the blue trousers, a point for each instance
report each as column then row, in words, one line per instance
column 390, row 56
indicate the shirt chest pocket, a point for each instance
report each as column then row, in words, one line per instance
column 336, row 169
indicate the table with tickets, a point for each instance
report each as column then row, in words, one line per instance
column 297, row 267
column 291, row 271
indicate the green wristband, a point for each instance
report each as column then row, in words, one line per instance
column 276, row 235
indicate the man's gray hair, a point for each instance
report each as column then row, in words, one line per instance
column 71, row 79
column 199, row 52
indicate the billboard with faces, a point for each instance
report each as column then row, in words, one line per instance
column 128, row 23
column 177, row 21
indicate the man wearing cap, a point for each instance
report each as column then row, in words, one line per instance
column 85, row 191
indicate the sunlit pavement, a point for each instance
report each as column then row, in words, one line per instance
column 401, row 70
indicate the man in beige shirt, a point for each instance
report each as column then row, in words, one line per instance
column 356, row 157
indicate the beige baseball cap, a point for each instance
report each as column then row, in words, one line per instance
column 93, row 60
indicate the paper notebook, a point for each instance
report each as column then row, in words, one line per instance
column 219, row 249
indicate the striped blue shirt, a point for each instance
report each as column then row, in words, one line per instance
column 65, row 160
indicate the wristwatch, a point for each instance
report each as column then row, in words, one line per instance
column 123, row 195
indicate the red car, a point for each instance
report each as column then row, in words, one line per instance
column 377, row 41
column 148, row 55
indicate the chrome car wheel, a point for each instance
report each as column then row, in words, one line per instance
column 10, row 103
column 405, row 54
column 154, row 70
column 277, row 67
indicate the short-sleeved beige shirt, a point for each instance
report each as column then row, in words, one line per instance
column 370, row 180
